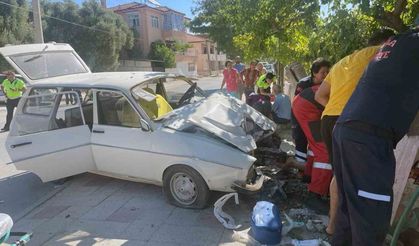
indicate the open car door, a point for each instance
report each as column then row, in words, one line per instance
column 49, row 137
column 41, row 61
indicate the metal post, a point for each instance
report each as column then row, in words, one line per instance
column 209, row 59
column 103, row 4
column 39, row 36
column 216, row 58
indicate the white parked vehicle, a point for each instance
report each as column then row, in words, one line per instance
column 149, row 127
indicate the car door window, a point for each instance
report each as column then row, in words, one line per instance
column 86, row 101
column 114, row 109
column 46, row 112
column 40, row 102
column 68, row 113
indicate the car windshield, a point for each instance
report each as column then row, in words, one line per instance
column 158, row 97
column 49, row 64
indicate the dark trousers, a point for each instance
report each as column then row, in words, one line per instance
column 328, row 123
column 300, row 140
column 11, row 104
column 278, row 120
column 248, row 90
column 364, row 166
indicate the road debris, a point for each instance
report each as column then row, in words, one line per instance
column 225, row 219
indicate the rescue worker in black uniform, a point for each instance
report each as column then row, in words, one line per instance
column 319, row 70
column 376, row 117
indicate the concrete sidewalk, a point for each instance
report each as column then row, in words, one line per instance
column 96, row 210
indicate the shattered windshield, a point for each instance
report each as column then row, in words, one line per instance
column 49, row 64
column 158, row 97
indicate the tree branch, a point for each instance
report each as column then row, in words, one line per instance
column 399, row 7
column 392, row 19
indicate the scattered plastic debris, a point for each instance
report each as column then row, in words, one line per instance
column 289, row 225
column 225, row 219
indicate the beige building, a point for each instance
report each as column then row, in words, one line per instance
column 206, row 57
column 153, row 23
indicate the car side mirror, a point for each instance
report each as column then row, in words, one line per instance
column 144, row 125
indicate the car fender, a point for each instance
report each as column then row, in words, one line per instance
column 217, row 176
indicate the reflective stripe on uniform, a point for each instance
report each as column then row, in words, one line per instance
column 301, row 154
column 374, row 196
column 322, row 165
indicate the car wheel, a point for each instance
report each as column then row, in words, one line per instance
column 184, row 187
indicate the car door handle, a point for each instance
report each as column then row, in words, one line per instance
column 19, row 144
column 98, row 131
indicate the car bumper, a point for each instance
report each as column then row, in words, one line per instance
column 253, row 188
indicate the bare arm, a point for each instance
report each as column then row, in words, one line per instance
column 222, row 83
column 323, row 93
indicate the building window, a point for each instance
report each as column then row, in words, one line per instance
column 204, row 49
column 212, row 49
column 133, row 20
column 155, row 21
column 173, row 22
column 191, row 67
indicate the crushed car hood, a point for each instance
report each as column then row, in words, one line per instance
column 226, row 117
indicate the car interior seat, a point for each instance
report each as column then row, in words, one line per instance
column 150, row 107
column 163, row 107
column 126, row 113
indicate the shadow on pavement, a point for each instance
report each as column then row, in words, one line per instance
column 21, row 191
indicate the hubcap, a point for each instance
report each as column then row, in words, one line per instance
column 183, row 188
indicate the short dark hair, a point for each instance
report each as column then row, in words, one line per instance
column 269, row 76
column 227, row 62
column 380, row 36
column 318, row 64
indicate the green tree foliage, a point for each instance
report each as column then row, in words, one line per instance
column 340, row 34
column 101, row 44
column 295, row 30
column 14, row 26
column 160, row 52
column 253, row 29
column 395, row 14
column 135, row 52
column 14, row 23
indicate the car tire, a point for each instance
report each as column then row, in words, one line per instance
column 184, row 187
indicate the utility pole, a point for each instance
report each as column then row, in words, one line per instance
column 103, row 3
column 39, row 36
column 209, row 57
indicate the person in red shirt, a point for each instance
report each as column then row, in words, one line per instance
column 230, row 79
column 250, row 76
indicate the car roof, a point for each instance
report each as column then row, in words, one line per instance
column 112, row 80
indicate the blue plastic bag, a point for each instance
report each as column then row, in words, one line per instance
column 266, row 223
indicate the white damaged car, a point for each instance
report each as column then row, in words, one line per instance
column 148, row 127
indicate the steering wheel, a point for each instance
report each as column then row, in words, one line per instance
column 189, row 94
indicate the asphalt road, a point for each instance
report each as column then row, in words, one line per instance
column 20, row 190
